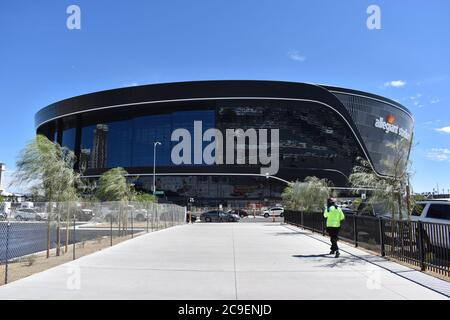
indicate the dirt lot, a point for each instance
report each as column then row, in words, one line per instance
column 28, row 265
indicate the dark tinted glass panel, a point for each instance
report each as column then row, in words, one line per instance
column 368, row 115
column 68, row 133
column 311, row 136
column 68, row 138
column 186, row 120
column 439, row 211
column 418, row 209
column 119, row 143
column 147, row 131
column 87, row 152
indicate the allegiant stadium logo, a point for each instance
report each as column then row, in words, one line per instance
column 389, row 125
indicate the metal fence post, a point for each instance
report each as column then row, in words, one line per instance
column 302, row 220
column 73, row 237
column 421, row 247
column 132, row 224
column 111, row 229
column 381, row 228
column 153, row 216
column 8, row 225
column 355, row 231
column 146, row 218
column 323, row 226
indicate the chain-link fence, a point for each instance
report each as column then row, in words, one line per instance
column 39, row 236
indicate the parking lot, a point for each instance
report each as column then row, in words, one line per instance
column 26, row 238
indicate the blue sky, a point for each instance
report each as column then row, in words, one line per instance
column 123, row 43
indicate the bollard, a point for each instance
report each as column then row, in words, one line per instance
column 355, row 232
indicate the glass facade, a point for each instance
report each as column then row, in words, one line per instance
column 369, row 115
column 312, row 138
column 236, row 191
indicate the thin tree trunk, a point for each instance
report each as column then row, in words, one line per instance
column 408, row 202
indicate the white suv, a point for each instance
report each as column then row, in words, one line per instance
column 29, row 214
column 437, row 211
column 436, row 215
column 275, row 211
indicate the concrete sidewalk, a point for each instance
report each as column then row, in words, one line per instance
column 222, row 261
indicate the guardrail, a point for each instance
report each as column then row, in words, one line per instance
column 48, row 234
column 421, row 244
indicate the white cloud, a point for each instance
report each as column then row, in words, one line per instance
column 435, row 100
column 439, row 154
column 395, row 83
column 444, row 129
column 296, row 56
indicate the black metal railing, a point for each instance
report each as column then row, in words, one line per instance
column 421, row 244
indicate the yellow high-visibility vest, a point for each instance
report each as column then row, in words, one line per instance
column 334, row 216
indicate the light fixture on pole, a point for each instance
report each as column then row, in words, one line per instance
column 157, row 143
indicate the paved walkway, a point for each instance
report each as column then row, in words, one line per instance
column 224, row 261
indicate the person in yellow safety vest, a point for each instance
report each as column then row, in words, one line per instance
column 334, row 216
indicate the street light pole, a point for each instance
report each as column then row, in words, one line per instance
column 157, row 143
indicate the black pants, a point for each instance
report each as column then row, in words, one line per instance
column 334, row 234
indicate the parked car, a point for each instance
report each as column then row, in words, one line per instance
column 84, row 214
column 347, row 210
column 375, row 210
column 140, row 214
column 231, row 217
column 25, row 214
column 434, row 212
column 240, row 212
column 275, row 211
column 193, row 217
column 218, row 216
column 437, row 211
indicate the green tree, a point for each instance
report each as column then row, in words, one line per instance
column 47, row 168
column 144, row 197
column 309, row 195
column 113, row 186
column 393, row 190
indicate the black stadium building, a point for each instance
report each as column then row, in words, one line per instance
column 322, row 130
